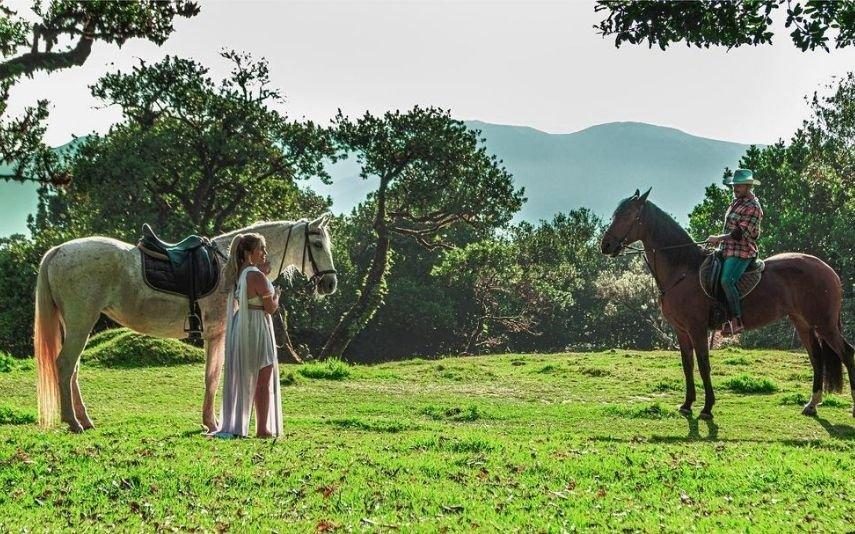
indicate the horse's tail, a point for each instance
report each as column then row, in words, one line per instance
column 47, row 341
column 832, row 369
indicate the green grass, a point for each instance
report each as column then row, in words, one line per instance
column 748, row 384
column 458, row 444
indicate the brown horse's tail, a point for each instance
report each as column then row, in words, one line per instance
column 47, row 342
column 832, row 368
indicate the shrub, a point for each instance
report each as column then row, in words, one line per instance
column 667, row 385
column 800, row 399
column 9, row 363
column 288, row 379
column 331, row 369
column 392, row 427
column 750, row 384
column 654, row 411
column 122, row 347
column 9, row 416
column 455, row 413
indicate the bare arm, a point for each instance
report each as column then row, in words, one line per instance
column 259, row 286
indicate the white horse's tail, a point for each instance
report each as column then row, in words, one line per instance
column 47, row 341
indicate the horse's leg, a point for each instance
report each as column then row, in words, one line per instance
column 79, row 407
column 814, row 351
column 702, row 351
column 215, row 350
column 76, row 334
column 687, row 358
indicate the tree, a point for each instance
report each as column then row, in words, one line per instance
column 830, row 134
column 191, row 155
column 813, row 23
column 433, row 174
column 502, row 293
column 630, row 297
column 562, row 259
column 28, row 47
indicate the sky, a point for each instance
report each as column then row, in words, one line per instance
column 528, row 63
column 537, row 64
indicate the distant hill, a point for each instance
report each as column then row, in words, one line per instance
column 592, row 168
column 18, row 200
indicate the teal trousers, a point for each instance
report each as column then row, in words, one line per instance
column 730, row 273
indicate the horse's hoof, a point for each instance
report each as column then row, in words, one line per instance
column 810, row 410
column 87, row 425
column 211, row 426
column 707, row 416
column 685, row 410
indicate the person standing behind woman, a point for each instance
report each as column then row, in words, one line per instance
column 251, row 371
column 739, row 242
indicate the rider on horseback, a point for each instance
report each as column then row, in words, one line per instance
column 738, row 244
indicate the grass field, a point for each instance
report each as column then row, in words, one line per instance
column 511, row 442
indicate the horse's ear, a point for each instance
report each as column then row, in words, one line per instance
column 644, row 196
column 637, row 192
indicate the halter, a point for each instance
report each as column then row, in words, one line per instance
column 307, row 251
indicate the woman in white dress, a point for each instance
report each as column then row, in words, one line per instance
column 251, row 372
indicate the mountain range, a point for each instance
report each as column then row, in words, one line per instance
column 593, row 168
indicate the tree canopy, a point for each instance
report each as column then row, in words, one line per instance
column 193, row 155
column 434, row 173
column 62, row 37
column 813, row 24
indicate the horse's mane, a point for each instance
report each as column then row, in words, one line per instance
column 667, row 232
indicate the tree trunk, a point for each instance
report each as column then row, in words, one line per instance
column 370, row 298
column 373, row 287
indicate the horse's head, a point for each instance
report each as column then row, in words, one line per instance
column 319, row 252
column 626, row 225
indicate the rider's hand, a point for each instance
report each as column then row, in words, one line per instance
column 265, row 267
column 713, row 240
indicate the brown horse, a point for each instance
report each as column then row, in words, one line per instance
column 799, row 286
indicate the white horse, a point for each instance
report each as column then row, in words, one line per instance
column 83, row 278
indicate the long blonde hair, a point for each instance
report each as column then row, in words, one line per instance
column 242, row 245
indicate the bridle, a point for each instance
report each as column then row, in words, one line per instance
column 307, row 252
column 623, row 245
column 313, row 280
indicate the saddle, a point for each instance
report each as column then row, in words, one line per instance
column 189, row 268
column 710, row 278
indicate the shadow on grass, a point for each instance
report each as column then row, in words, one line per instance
column 843, row 432
column 838, row 432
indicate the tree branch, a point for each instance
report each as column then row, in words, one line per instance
column 34, row 60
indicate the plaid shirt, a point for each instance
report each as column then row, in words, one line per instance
column 742, row 223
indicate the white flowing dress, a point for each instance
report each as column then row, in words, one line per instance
column 250, row 346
